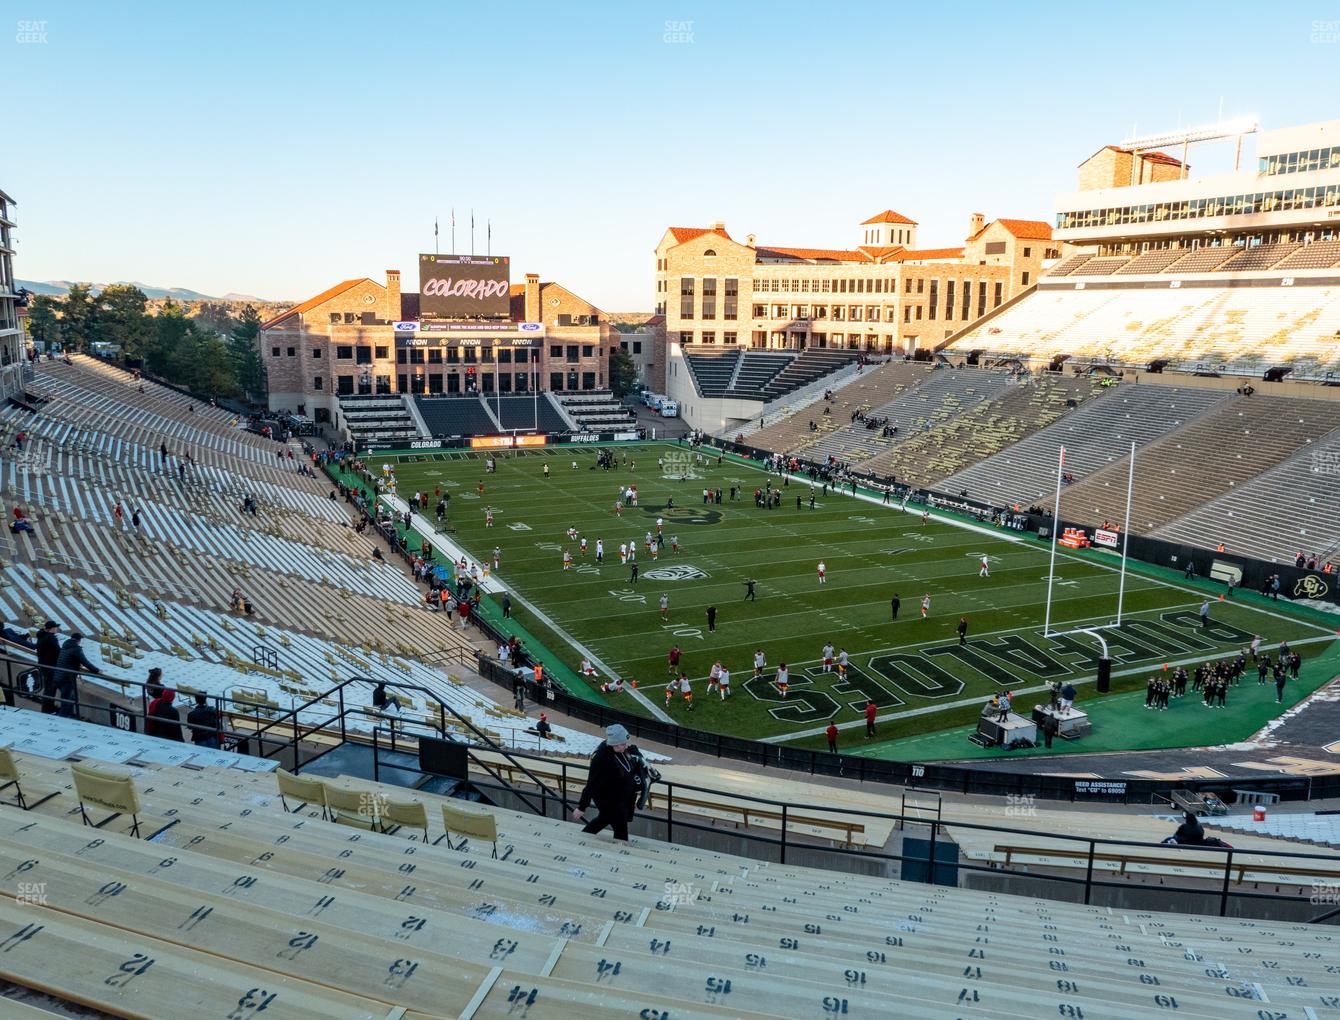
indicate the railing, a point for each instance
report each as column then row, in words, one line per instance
column 1090, row 850
column 282, row 732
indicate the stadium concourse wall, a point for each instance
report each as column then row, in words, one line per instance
column 573, row 697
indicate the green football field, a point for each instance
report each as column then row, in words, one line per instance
column 916, row 670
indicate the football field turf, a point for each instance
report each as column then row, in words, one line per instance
column 914, row 669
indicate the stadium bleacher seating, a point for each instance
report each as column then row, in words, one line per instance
column 1069, row 265
column 528, row 413
column 989, row 427
column 561, row 925
column 1104, row 266
column 1290, row 507
column 1097, row 434
column 1200, row 260
column 1151, row 261
column 161, row 594
column 712, row 368
column 1227, row 446
column 757, row 371
column 1261, row 256
column 761, row 375
column 876, row 385
column 1304, row 827
column 942, row 394
column 457, row 416
column 1318, row 255
column 812, row 365
column 377, row 419
column 597, row 410
column 1237, row 330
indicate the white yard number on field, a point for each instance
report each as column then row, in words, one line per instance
column 627, row 595
column 681, row 631
column 1058, row 579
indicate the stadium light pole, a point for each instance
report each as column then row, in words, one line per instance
column 1125, row 534
column 1056, row 524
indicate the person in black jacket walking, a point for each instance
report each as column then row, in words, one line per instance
column 203, row 722
column 48, row 651
column 612, row 782
column 72, row 660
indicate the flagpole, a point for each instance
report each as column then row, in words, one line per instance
column 488, row 250
column 1126, row 533
column 436, row 249
column 1056, row 528
column 472, row 232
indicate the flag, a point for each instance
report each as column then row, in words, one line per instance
column 434, row 228
column 453, row 215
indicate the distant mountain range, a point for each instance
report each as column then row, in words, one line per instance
column 59, row 288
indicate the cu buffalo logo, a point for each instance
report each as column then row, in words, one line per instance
column 679, row 572
column 1310, row 587
column 690, row 514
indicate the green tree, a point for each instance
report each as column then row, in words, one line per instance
column 43, row 324
column 244, row 346
column 623, row 373
column 122, row 319
column 79, row 317
column 211, row 371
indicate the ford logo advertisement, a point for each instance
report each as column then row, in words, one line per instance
column 405, row 327
column 529, row 327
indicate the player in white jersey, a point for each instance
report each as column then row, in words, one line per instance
column 600, row 550
column 714, row 677
column 665, row 607
column 828, row 657
column 925, row 605
column 986, row 568
column 842, row 663
column 823, row 570
column 623, row 554
column 723, row 682
column 759, row 662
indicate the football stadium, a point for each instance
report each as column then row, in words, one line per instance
column 873, row 631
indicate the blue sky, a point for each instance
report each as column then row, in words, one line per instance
column 275, row 148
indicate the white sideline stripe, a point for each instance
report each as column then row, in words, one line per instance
column 493, row 585
column 782, row 738
column 490, row 584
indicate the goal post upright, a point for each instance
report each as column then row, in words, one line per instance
column 1056, row 529
column 1126, row 534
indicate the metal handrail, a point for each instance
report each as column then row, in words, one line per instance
column 290, row 716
